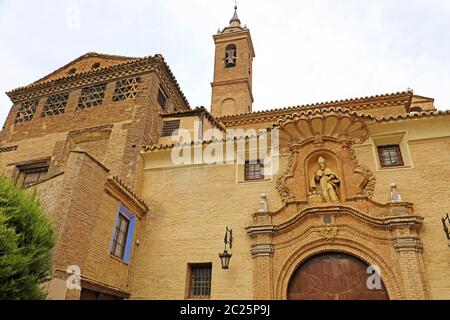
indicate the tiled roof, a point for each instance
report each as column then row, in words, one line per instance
column 370, row 118
column 130, row 191
column 415, row 115
column 197, row 110
column 355, row 103
column 195, row 143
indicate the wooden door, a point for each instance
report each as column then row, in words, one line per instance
column 333, row 276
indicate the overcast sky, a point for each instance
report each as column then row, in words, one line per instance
column 306, row 51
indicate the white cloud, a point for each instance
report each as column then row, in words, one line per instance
column 306, row 51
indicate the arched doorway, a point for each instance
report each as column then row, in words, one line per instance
column 333, row 276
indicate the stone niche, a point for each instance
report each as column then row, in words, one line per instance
column 328, row 136
column 315, row 193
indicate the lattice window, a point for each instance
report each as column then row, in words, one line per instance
column 56, row 104
column 26, row 111
column 162, row 99
column 390, row 156
column 29, row 176
column 169, row 127
column 254, row 170
column 91, row 96
column 126, row 89
column 200, row 281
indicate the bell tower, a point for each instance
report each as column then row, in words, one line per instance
column 232, row 86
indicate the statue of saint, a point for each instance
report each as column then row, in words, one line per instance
column 326, row 182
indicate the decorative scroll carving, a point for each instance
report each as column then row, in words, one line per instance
column 330, row 134
column 370, row 180
column 281, row 186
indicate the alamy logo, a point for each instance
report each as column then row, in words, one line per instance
column 230, row 147
column 74, row 280
column 73, row 21
column 374, row 280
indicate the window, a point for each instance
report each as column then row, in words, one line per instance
column 95, row 65
column 162, row 99
column 91, row 97
column 32, row 174
column 26, row 111
column 55, row 104
column 230, row 56
column 200, row 281
column 122, row 239
column 254, row 170
column 169, row 127
column 390, row 156
column 8, row 149
column 72, row 71
column 126, row 89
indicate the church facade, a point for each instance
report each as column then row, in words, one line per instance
column 335, row 200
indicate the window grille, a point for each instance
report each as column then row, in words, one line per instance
column 254, row 170
column 56, row 104
column 91, row 97
column 126, row 89
column 31, row 176
column 200, row 285
column 390, row 156
column 169, row 127
column 26, row 111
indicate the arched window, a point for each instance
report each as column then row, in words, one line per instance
column 230, row 56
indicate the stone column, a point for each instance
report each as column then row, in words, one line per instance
column 262, row 251
column 404, row 227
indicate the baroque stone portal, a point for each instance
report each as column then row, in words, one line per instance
column 325, row 184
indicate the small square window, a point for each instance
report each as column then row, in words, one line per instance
column 120, row 236
column 200, row 281
column 169, row 127
column 390, row 156
column 254, row 170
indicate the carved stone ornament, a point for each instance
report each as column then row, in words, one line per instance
column 329, row 233
column 322, row 166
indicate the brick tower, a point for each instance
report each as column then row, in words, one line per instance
column 232, row 86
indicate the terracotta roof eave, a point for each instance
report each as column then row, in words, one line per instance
column 406, row 95
column 162, row 147
column 130, row 192
column 413, row 115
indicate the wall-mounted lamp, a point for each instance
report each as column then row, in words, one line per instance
column 225, row 256
column 446, row 224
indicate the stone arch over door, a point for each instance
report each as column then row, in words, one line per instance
column 333, row 276
column 343, row 246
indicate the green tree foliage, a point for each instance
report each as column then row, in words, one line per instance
column 26, row 240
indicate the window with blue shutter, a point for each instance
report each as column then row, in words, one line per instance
column 122, row 240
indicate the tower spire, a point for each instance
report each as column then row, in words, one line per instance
column 235, row 21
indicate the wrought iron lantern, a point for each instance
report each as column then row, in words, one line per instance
column 225, row 256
